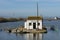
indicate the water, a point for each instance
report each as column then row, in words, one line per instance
column 51, row 35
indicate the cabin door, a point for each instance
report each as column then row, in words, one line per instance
column 34, row 25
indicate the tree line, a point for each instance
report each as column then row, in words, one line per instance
column 11, row 19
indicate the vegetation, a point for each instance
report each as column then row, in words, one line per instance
column 11, row 19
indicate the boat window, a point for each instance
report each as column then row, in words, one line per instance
column 29, row 24
column 38, row 24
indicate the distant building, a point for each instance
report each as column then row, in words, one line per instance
column 33, row 22
column 55, row 17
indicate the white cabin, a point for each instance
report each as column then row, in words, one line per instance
column 33, row 22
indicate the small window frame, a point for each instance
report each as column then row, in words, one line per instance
column 30, row 24
column 38, row 24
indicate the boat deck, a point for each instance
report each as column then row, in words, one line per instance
column 24, row 30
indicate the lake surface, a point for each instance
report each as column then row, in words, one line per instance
column 50, row 35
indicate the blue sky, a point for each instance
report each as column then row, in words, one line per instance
column 24, row 8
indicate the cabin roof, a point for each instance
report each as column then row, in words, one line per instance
column 34, row 18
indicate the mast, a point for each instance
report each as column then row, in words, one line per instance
column 37, row 16
column 37, row 9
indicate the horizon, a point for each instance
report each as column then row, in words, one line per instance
column 25, row 8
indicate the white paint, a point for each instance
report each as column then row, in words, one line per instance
column 31, row 26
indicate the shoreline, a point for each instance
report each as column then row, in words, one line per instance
column 4, row 20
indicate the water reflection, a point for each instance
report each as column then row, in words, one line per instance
column 33, row 36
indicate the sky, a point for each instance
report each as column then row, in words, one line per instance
column 25, row 8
